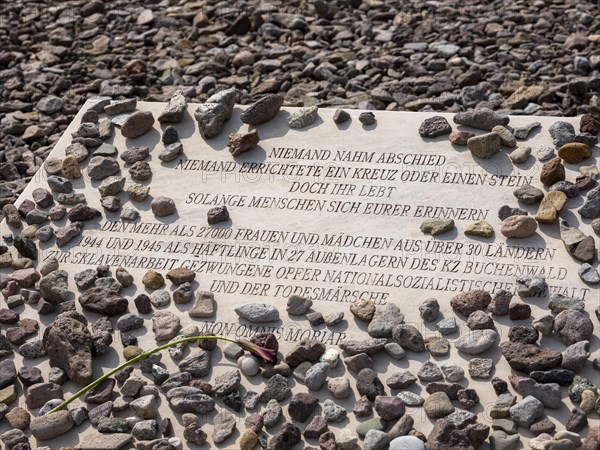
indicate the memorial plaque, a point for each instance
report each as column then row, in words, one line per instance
column 328, row 212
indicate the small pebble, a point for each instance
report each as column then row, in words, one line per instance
column 367, row 118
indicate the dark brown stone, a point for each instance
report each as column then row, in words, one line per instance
column 305, row 350
column 68, row 344
column 468, row 398
column 103, row 300
column 356, row 363
column 262, row 110
column 363, row 407
column 434, row 126
column 181, row 275
column 45, row 307
column 315, row 428
column 552, row 171
column 101, row 393
column 523, row 334
column 302, row 405
column 288, row 436
column 409, row 337
column 30, row 375
column 477, row 433
column 460, row 137
column 8, row 316
column 471, row 301
column 402, row 427
column 16, row 335
column 589, row 124
column 217, row 214
column 577, row 420
column 447, row 436
column 42, row 197
column 543, row 425
column 340, row 116
column 82, row 212
column 266, row 340
column 528, row 357
column 39, row 394
column 25, row 207
column 143, row 304
column 207, row 344
column 140, row 171
column 585, row 250
column 368, row 384
column 519, row 311
column 327, row 441
column 450, row 389
column 585, row 182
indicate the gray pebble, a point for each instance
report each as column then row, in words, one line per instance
column 272, row 414
column 476, row 342
column 395, row 350
column 297, row 305
column 545, row 153
column 480, row 367
column 251, row 400
column 248, row 365
column 339, row 387
column 562, row 133
column 334, row 318
column 386, row 317
column 170, row 152
column 531, row 286
column 316, row 376
column 528, row 194
column 506, row 211
column 410, row 398
column 376, row 440
column 429, row 309
column 453, row 372
column 481, row 118
column 303, row 117
column 333, row 412
column 588, row 274
column 527, row 411
column 429, row 372
column 447, row 326
column 591, row 207
column 300, row 371
column 257, row 312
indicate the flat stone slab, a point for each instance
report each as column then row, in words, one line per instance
column 327, row 212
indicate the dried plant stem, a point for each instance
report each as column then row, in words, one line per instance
column 134, row 360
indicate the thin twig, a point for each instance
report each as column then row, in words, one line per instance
column 139, row 357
